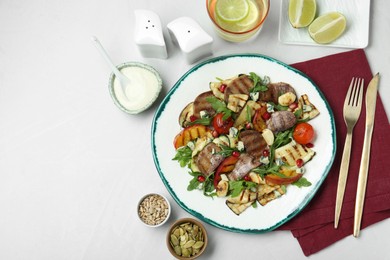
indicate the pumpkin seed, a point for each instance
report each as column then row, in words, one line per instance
column 189, row 244
column 177, row 250
column 174, row 240
column 185, row 252
column 198, row 244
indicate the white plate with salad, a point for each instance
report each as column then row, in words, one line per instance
column 243, row 142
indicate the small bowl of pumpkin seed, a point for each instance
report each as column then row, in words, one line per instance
column 187, row 239
column 154, row 210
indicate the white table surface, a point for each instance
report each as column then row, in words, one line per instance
column 73, row 166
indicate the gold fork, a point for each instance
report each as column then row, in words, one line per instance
column 351, row 112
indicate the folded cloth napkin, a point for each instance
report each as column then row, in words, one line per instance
column 313, row 227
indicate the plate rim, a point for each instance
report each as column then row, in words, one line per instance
column 198, row 215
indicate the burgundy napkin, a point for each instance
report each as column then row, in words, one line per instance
column 313, row 227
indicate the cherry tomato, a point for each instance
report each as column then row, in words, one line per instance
column 303, row 133
column 220, row 125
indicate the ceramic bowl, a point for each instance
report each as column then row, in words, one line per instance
column 187, row 240
column 142, row 74
column 153, row 210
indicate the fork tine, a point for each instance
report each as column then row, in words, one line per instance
column 360, row 94
column 349, row 95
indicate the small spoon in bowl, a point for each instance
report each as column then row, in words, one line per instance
column 124, row 81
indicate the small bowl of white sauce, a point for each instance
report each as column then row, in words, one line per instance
column 145, row 80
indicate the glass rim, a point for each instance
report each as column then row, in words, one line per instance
column 239, row 33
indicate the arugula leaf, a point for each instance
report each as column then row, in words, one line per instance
column 219, row 106
column 183, row 156
column 266, row 169
column 298, row 113
column 302, row 182
column 235, row 187
column 207, row 186
column 226, row 150
column 201, row 121
column 278, row 106
column 248, row 114
column 282, row 138
column 258, row 84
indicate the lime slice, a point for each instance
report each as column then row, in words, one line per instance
column 251, row 19
column 327, row 27
column 301, row 12
column 232, row 10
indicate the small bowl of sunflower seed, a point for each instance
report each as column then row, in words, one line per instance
column 187, row 239
column 153, row 210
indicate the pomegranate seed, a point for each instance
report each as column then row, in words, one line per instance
column 248, row 126
column 266, row 116
column 222, row 88
column 236, row 153
column 309, row 145
column 201, row 178
column 247, row 178
column 215, row 134
column 193, row 118
column 293, row 106
column 299, row 163
column 265, row 153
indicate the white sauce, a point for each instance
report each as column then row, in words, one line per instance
column 142, row 91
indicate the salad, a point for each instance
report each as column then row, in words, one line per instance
column 246, row 139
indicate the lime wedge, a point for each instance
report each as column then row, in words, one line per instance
column 232, row 10
column 327, row 27
column 301, row 12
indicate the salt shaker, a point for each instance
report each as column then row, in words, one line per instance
column 148, row 34
column 193, row 41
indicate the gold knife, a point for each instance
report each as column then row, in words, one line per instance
column 371, row 94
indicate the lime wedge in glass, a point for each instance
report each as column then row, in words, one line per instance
column 232, row 10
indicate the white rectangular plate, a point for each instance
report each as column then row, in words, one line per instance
column 357, row 13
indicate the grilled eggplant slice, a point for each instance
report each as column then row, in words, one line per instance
column 244, row 197
column 309, row 111
column 238, row 208
column 185, row 115
column 293, row 151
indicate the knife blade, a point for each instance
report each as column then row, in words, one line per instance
column 371, row 96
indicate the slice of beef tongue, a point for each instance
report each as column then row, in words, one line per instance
column 209, row 159
column 239, row 85
column 274, row 91
column 281, row 120
column 243, row 166
column 254, row 142
column 201, row 104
